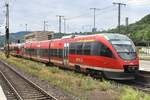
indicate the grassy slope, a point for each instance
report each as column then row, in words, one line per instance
column 138, row 31
column 76, row 84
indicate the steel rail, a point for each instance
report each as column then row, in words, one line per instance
column 50, row 97
column 11, row 86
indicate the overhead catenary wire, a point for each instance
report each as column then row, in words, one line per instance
column 105, row 10
column 88, row 14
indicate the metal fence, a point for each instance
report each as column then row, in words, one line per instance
column 144, row 52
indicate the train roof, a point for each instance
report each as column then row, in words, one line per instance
column 114, row 36
column 107, row 36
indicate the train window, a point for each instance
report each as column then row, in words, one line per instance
column 87, row 48
column 55, row 52
column 79, row 48
column 40, row 52
column 27, row 51
column 51, row 52
column 45, row 52
column 72, row 48
column 60, row 53
column 31, row 51
column 95, row 48
column 105, row 51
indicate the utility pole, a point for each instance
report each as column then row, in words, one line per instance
column 94, row 9
column 64, row 25
column 119, row 13
column 45, row 25
column 26, row 25
column 7, row 30
column 60, row 18
column 127, row 23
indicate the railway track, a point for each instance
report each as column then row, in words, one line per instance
column 142, row 81
column 142, row 86
column 7, row 88
column 18, row 87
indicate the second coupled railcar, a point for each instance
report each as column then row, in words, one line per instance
column 114, row 55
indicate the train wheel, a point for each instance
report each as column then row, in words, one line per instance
column 49, row 64
column 77, row 68
column 103, row 75
column 94, row 73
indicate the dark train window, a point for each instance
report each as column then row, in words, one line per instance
column 34, row 52
column 90, row 48
column 51, row 52
column 31, row 51
column 72, row 48
column 105, row 51
column 79, row 48
column 56, row 53
column 95, row 48
column 60, row 53
column 28, row 51
column 44, row 52
column 87, row 48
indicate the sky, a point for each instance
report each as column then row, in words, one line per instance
column 79, row 17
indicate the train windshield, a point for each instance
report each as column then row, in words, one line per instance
column 125, row 49
column 123, row 45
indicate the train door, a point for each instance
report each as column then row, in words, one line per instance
column 65, row 54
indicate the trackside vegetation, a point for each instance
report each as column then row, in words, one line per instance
column 79, row 85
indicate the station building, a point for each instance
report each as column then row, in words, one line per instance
column 38, row 36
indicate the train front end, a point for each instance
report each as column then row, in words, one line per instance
column 126, row 56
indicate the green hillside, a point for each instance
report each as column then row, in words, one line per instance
column 14, row 37
column 138, row 31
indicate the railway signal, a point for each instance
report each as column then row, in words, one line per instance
column 7, row 30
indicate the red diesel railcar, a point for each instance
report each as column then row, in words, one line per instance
column 17, row 49
column 114, row 55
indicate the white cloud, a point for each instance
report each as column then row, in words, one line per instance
column 139, row 2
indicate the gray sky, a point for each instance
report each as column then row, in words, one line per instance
column 78, row 13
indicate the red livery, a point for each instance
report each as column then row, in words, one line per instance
column 112, row 55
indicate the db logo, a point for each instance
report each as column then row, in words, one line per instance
column 79, row 60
